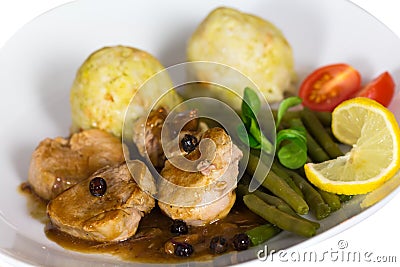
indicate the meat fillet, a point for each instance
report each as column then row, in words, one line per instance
column 111, row 217
column 206, row 195
column 57, row 164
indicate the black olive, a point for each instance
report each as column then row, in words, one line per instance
column 241, row 241
column 183, row 250
column 218, row 244
column 179, row 227
column 189, row 143
column 98, row 186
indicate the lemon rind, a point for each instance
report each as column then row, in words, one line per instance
column 365, row 186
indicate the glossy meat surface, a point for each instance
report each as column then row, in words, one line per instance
column 112, row 217
column 59, row 163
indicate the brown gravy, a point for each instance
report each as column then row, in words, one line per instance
column 154, row 231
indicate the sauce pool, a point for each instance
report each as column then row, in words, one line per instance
column 148, row 244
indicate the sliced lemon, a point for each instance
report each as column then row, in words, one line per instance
column 373, row 132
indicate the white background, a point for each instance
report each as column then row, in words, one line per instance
column 379, row 233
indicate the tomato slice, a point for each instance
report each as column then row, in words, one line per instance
column 328, row 86
column 381, row 89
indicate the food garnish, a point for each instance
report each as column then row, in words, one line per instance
column 218, row 244
column 189, row 143
column 291, row 142
column 97, row 186
column 250, row 132
column 328, row 86
column 241, row 241
column 179, row 227
column 374, row 135
column 381, row 89
column 183, row 249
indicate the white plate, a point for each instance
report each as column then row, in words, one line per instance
column 38, row 64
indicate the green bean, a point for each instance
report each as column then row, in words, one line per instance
column 317, row 130
column 324, row 117
column 241, row 190
column 345, row 198
column 252, row 165
column 316, row 153
column 285, row 177
column 262, row 233
column 281, row 189
column 331, row 135
column 281, row 205
column 331, row 199
column 313, row 198
column 246, row 179
column 279, row 218
column 287, row 116
column 273, row 201
column 314, row 150
column 295, row 122
column 302, row 172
